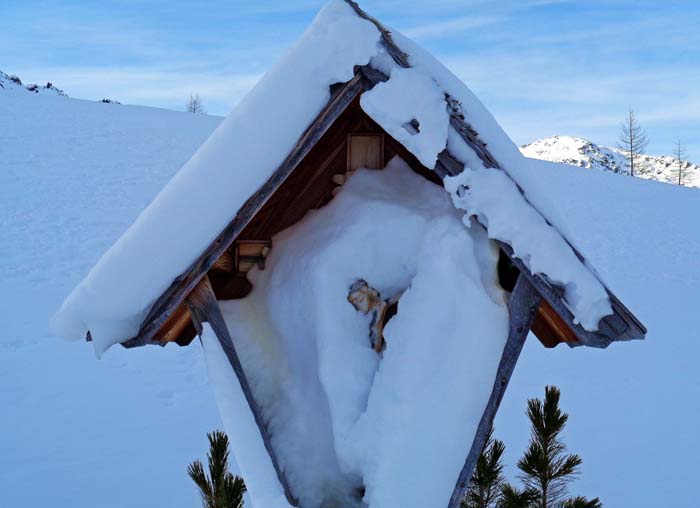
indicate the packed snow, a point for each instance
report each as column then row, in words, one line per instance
column 393, row 105
column 585, row 154
column 337, row 409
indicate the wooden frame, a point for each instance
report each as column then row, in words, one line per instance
column 205, row 309
column 353, row 156
column 250, row 253
column 190, row 300
column 181, row 287
column 522, row 306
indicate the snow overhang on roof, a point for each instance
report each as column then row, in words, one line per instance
column 138, row 284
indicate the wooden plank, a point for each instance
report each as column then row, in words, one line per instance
column 551, row 329
column 166, row 304
column 522, row 307
column 365, row 151
column 399, row 56
column 204, row 308
column 174, row 326
column 554, row 298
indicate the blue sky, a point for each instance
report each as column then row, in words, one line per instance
column 543, row 67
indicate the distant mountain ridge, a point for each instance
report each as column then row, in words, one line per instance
column 585, row 154
column 11, row 82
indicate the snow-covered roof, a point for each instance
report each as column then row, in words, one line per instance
column 216, row 184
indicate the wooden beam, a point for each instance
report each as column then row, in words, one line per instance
column 554, row 298
column 396, row 53
column 204, row 308
column 522, row 307
column 168, row 302
column 174, row 326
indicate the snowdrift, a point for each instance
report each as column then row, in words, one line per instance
column 342, row 417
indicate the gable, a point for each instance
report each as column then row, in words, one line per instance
column 122, row 297
column 307, row 186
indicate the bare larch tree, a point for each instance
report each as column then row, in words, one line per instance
column 680, row 165
column 194, row 105
column 632, row 140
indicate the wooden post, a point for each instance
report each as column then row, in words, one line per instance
column 204, row 308
column 522, row 307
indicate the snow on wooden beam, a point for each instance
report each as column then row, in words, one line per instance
column 205, row 309
column 171, row 299
column 621, row 325
column 522, row 307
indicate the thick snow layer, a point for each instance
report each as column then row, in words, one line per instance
column 410, row 96
column 202, row 198
column 204, row 195
column 494, row 199
column 419, row 93
column 338, row 410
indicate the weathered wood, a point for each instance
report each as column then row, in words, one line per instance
column 396, row 53
column 188, row 280
column 609, row 327
column 225, row 263
column 551, row 329
column 204, row 308
column 177, row 323
column 522, row 307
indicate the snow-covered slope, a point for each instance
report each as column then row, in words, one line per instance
column 75, row 432
column 585, row 154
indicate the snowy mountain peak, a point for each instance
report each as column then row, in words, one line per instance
column 585, row 154
column 13, row 83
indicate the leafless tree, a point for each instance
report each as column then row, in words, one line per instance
column 194, row 105
column 632, row 140
column 680, row 165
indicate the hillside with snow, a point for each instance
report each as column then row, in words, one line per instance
column 112, row 433
column 119, row 432
column 585, row 154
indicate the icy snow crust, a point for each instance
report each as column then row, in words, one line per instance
column 341, row 416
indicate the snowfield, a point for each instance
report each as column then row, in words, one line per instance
column 73, row 175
